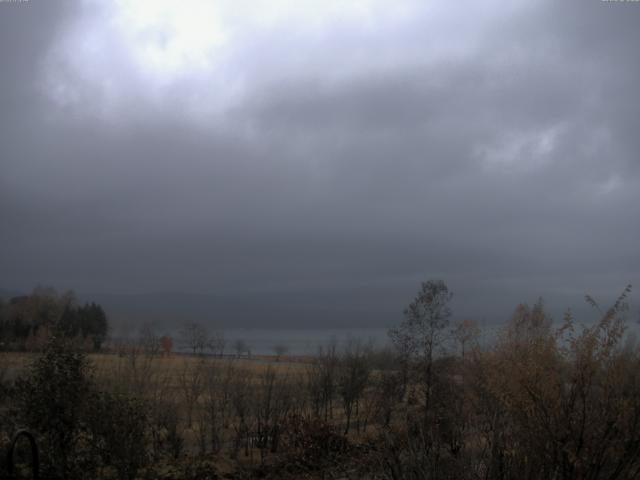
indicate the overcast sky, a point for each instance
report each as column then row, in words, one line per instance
column 300, row 146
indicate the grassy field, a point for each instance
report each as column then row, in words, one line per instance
column 200, row 405
column 189, row 384
column 13, row 364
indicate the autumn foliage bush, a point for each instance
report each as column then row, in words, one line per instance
column 541, row 403
column 570, row 399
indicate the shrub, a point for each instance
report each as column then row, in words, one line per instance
column 118, row 425
column 51, row 402
column 78, row 427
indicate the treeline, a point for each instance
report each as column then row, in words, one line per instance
column 28, row 321
column 539, row 403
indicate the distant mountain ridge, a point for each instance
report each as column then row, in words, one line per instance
column 6, row 294
column 251, row 310
column 311, row 309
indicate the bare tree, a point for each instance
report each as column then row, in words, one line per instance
column 465, row 332
column 273, row 402
column 166, row 342
column 322, row 381
column 385, row 397
column 191, row 380
column 194, row 337
column 241, row 347
column 217, row 399
column 240, row 400
column 353, row 375
column 422, row 332
column 280, row 349
column 148, row 339
column 134, row 367
column 217, row 343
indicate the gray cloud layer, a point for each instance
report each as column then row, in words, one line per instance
column 494, row 147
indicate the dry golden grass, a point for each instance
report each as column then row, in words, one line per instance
column 112, row 368
column 177, row 361
column 12, row 364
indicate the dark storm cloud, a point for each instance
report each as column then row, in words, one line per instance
column 502, row 157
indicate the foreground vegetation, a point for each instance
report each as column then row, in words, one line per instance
column 540, row 403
